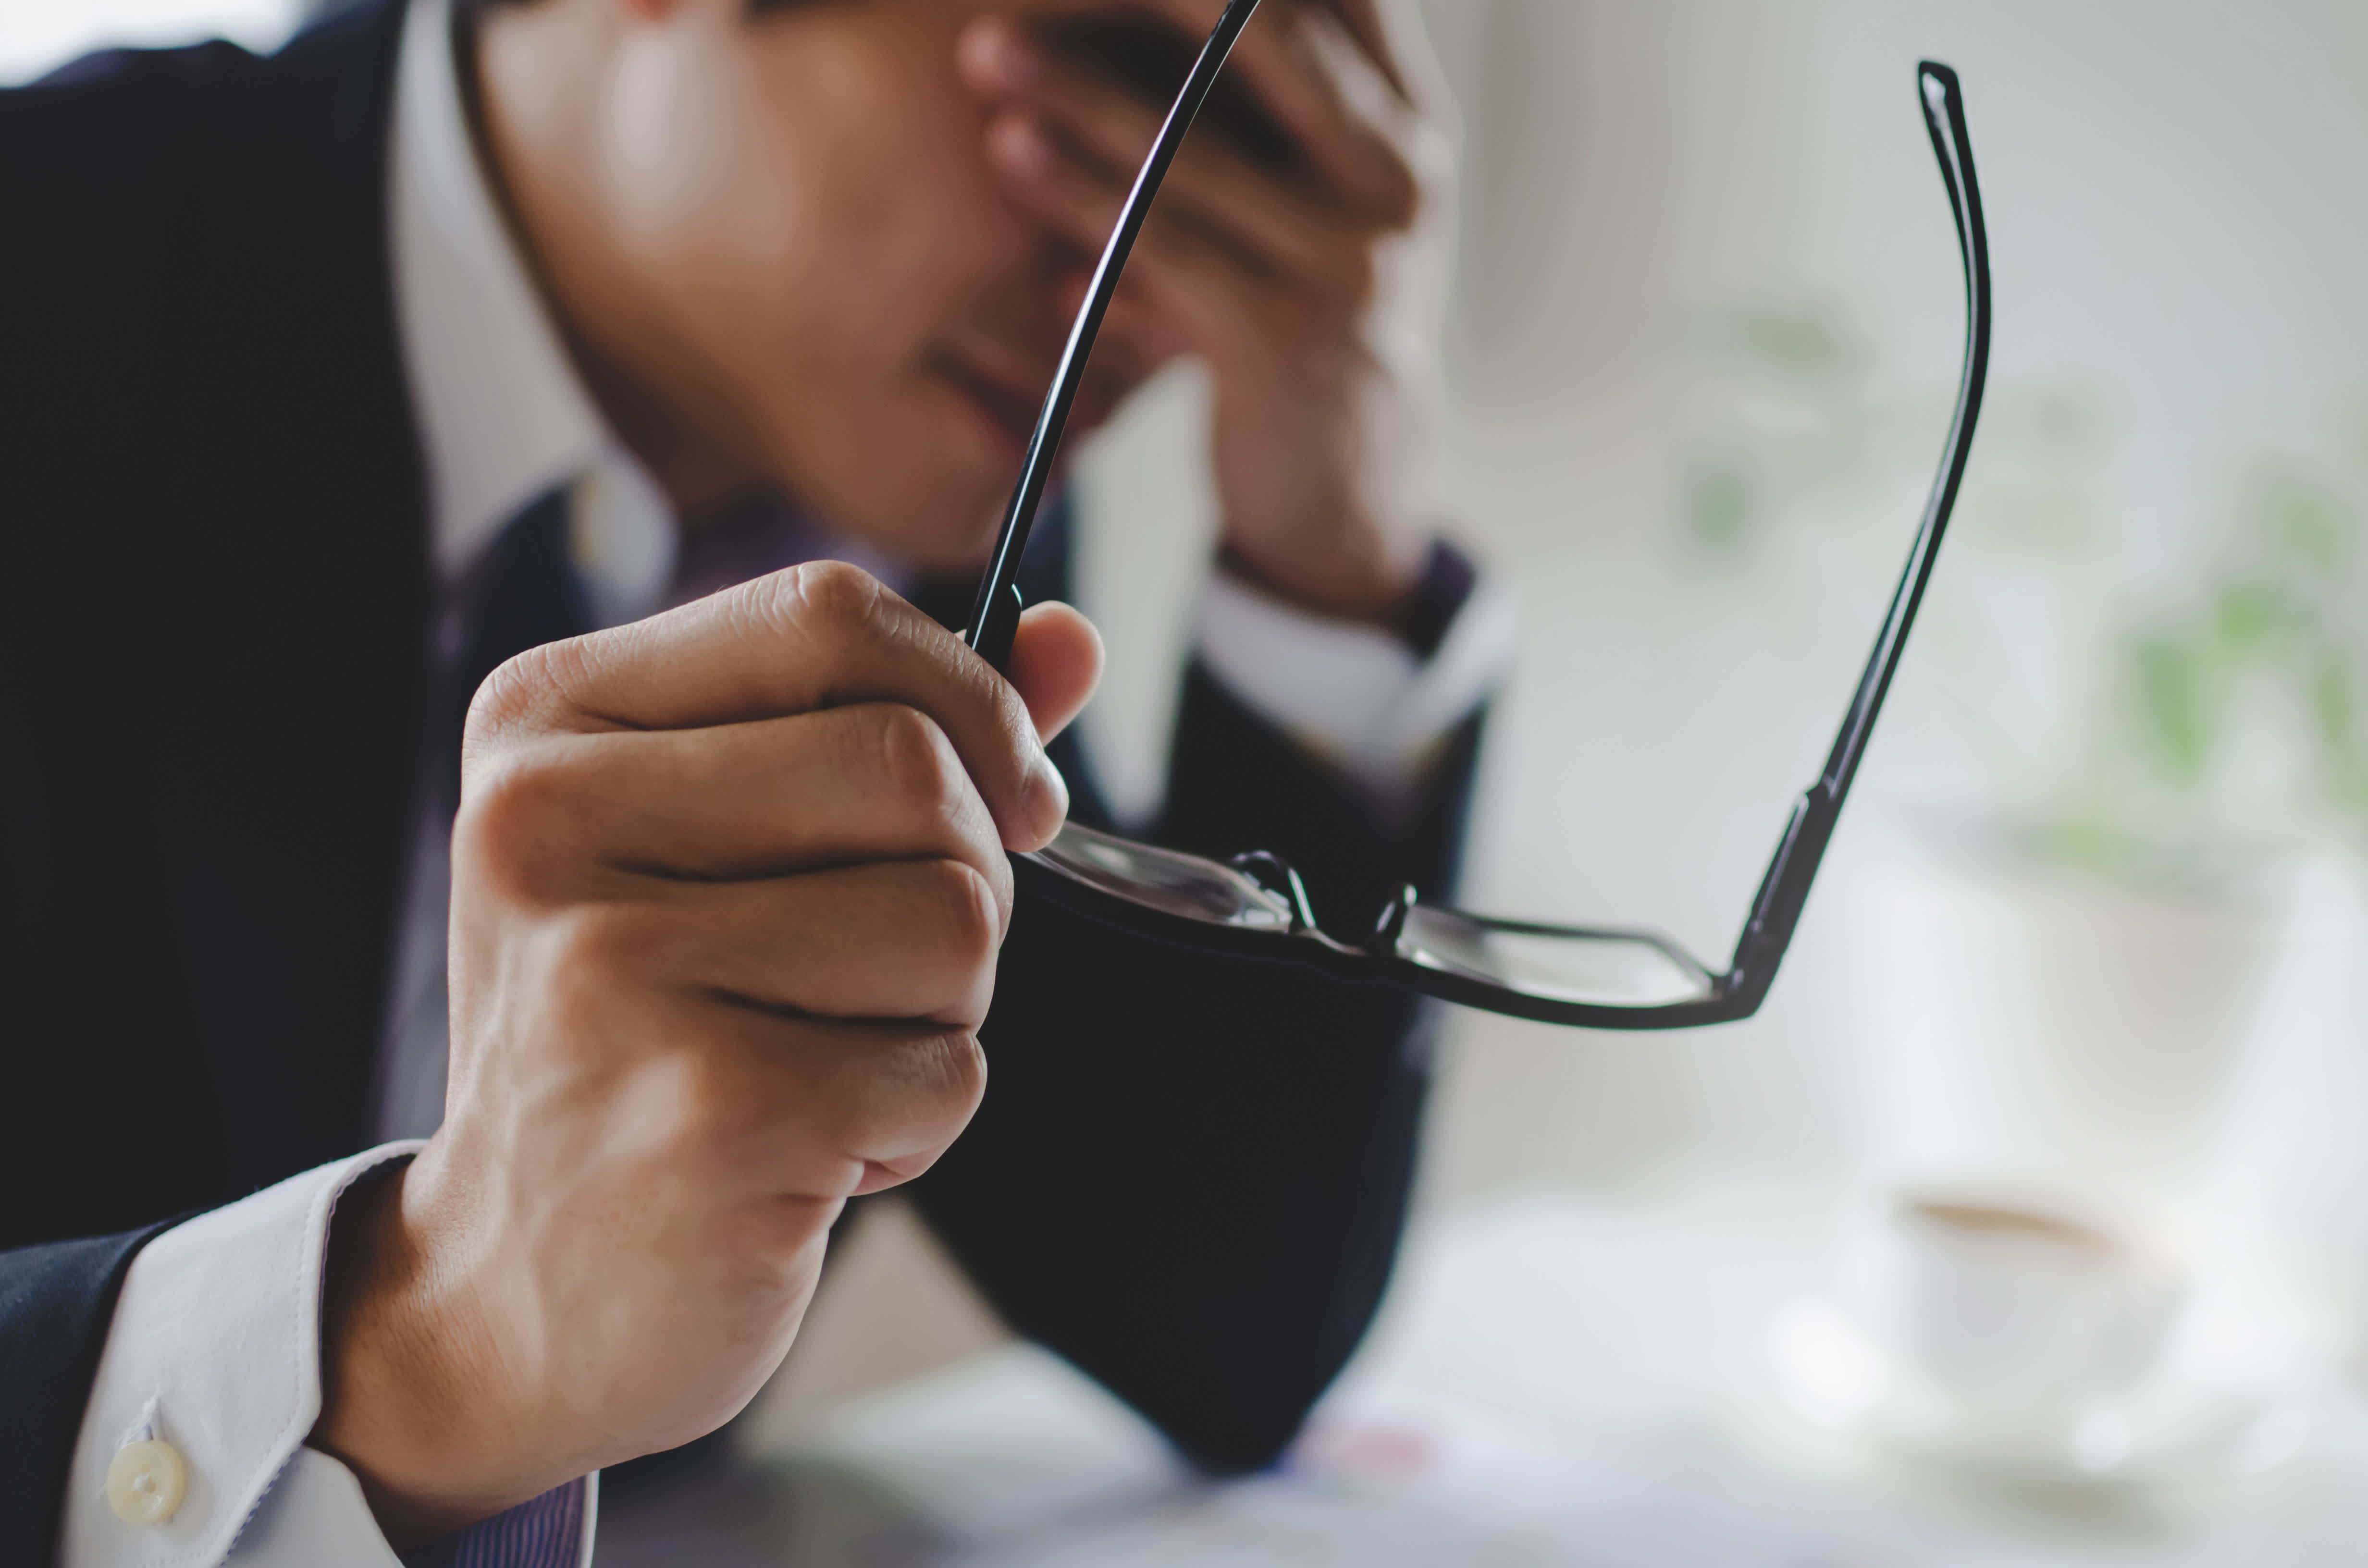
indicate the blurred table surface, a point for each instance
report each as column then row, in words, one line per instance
column 1556, row 1379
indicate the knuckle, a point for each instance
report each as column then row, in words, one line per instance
column 921, row 770
column 1392, row 189
column 1403, row 199
column 518, row 808
column 1361, row 278
column 718, row 1107
column 954, row 1071
column 971, row 915
column 829, row 597
column 568, row 988
column 521, row 691
column 598, row 945
column 686, row 1103
column 921, row 1099
column 1002, row 888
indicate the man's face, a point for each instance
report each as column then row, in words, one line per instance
column 830, row 286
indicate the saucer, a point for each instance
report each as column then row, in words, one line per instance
column 2179, row 1431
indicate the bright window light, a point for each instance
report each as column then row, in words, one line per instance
column 36, row 35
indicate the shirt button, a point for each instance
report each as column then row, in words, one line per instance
column 146, row 1481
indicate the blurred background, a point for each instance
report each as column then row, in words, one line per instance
column 1707, row 328
column 2090, row 938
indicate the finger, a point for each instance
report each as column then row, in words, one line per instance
column 1140, row 338
column 1279, row 226
column 1392, row 34
column 1199, row 269
column 1056, row 662
column 909, row 939
column 817, row 636
column 1007, row 65
column 811, row 1107
column 569, row 818
column 1382, row 40
column 1351, row 123
column 1357, row 130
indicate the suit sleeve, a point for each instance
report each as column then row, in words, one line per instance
column 55, row 1302
column 211, row 1346
column 1189, row 1174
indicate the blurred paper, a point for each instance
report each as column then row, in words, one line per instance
column 1384, row 1481
column 1013, row 1461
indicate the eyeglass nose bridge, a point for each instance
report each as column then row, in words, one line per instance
column 1275, row 874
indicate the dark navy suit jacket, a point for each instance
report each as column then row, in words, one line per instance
column 1188, row 1176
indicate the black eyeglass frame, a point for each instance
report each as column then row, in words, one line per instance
column 1256, row 907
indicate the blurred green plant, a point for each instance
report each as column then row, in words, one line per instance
column 1803, row 436
column 1812, row 431
column 2235, row 716
column 2241, row 712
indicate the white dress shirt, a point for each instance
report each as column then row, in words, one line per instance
column 214, row 1346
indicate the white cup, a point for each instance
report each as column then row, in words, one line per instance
column 1999, row 1319
column 2032, row 1029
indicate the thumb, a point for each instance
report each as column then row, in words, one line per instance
column 1056, row 662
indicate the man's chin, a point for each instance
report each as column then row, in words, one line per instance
column 947, row 539
column 951, row 522
column 961, row 537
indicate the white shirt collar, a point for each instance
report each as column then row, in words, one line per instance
column 503, row 416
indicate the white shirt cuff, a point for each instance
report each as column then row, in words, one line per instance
column 1354, row 695
column 215, row 1350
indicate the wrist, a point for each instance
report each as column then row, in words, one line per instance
column 1361, row 587
column 1417, row 604
column 391, row 1407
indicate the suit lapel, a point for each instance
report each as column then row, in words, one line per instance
column 296, row 597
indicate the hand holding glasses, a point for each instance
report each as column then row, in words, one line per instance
column 1599, row 977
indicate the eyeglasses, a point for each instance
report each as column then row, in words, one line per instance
column 1600, row 977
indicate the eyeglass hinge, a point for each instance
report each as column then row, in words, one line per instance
column 1392, row 921
column 1274, row 873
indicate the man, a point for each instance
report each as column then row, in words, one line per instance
column 448, row 348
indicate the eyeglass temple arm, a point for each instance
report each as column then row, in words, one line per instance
column 994, row 618
column 1776, row 909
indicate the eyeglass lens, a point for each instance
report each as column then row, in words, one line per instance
column 1163, row 879
column 1608, row 969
